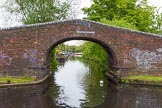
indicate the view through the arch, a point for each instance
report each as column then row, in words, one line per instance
column 80, row 74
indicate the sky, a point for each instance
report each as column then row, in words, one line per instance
column 157, row 3
column 4, row 16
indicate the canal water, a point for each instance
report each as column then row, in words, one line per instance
column 80, row 84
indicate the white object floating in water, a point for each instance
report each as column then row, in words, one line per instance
column 101, row 83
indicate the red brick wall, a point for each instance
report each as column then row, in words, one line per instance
column 25, row 50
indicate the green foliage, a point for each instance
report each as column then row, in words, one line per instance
column 143, row 17
column 38, row 11
column 72, row 48
column 126, row 81
column 60, row 48
column 53, row 62
column 159, row 24
column 94, row 92
column 120, row 23
column 109, row 9
column 92, row 51
column 94, row 89
column 97, row 53
column 17, row 79
column 68, row 48
column 144, row 78
column 136, row 13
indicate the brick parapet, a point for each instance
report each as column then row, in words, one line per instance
column 29, row 46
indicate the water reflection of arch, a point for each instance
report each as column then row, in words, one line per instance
column 112, row 56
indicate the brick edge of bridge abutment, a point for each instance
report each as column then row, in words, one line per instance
column 27, row 46
column 115, row 76
column 40, row 81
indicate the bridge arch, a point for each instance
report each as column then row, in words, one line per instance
column 112, row 60
column 26, row 49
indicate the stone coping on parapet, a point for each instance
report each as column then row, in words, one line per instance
column 82, row 20
column 27, row 84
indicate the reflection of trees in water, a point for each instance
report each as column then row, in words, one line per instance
column 132, row 97
column 94, row 83
column 109, row 95
column 53, row 91
column 95, row 91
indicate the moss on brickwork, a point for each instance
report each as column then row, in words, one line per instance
column 17, row 79
column 145, row 79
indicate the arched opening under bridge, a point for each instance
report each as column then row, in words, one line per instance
column 111, row 55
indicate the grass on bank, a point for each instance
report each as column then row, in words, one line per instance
column 17, row 79
column 128, row 79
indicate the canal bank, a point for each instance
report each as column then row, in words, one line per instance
column 80, row 84
column 44, row 96
column 154, row 81
column 27, row 84
column 145, row 80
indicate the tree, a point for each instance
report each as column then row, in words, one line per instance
column 159, row 24
column 109, row 9
column 143, row 17
column 97, row 53
column 134, row 12
column 38, row 11
column 120, row 23
column 53, row 62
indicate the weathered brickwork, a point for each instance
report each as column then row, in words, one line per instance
column 25, row 50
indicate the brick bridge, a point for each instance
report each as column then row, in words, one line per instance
column 25, row 50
